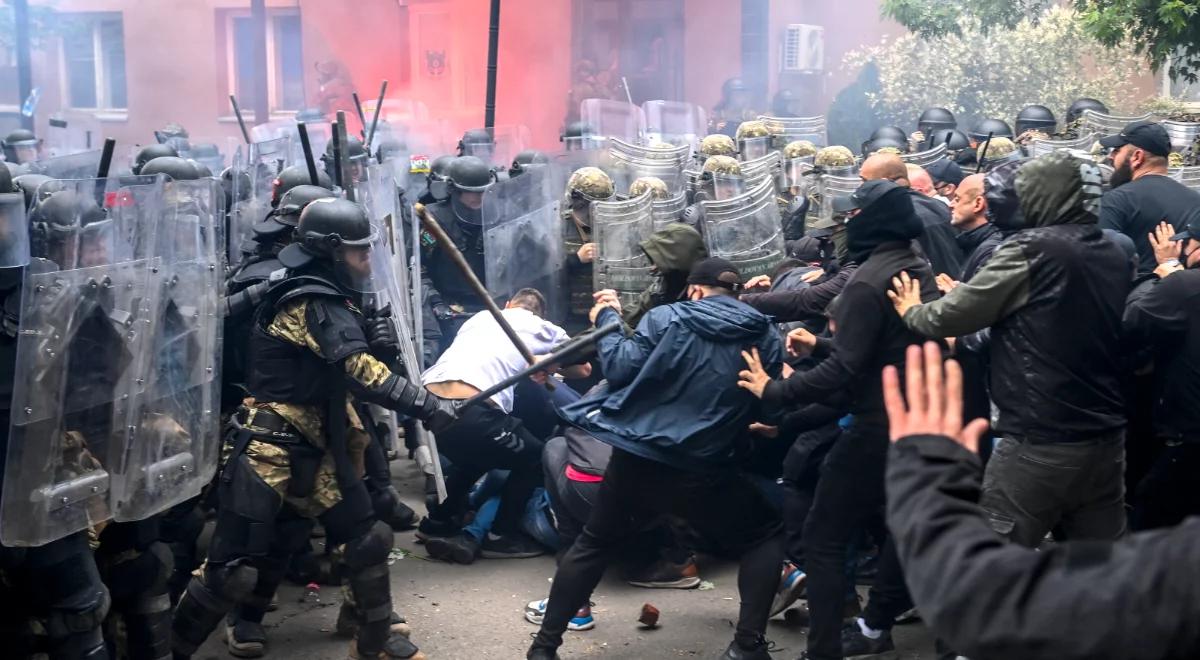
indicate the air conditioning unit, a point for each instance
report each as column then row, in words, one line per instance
column 803, row 48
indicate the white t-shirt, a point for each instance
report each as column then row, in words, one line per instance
column 482, row 355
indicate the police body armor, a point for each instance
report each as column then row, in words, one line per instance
column 447, row 279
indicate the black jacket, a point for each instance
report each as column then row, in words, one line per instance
column 1135, row 599
column 978, row 244
column 1053, row 296
column 806, row 304
column 938, row 241
column 1166, row 316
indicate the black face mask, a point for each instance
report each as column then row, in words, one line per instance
column 1121, row 176
column 466, row 215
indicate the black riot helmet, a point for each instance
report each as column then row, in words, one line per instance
column 524, row 159
column 469, row 174
column 296, row 175
column 580, row 136
column 477, row 142
column 54, row 224
column 890, row 132
column 235, row 179
column 175, row 167
column 34, row 184
column 1035, row 117
column 936, row 119
column 1085, row 103
column 337, row 233
column 285, row 217
column 436, row 181
column 784, row 103
column 20, row 146
column 357, row 154
column 390, row 148
column 871, row 146
column 202, row 171
column 149, row 153
column 954, row 139
column 996, row 127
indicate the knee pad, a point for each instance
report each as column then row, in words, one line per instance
column 78, row 618
column 370, row 548
column 88, row 645
column 206, row 601
column 142, row 573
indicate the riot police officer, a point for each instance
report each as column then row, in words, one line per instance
column 1075, row 112
column 296, row 175
column 580, row 136
column 526, row 158
column 149, row 153
column 732, row 109
column 753, row 139
column 477, row 142
column 935, row 119
column 21, row 146
column 721, row 178
column 798, row 157
column 436, row 184
column 298, row 446
column 586, row 185
column 451, row 298
column 994, row 127
column 1035, row 118
column 355, row 152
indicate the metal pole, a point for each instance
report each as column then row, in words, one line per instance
column 262, row 104
column 489, row 108
column 24, row 57
column 237, row 112
column 306, row 146
column 375, row 115
column 343, row 152
column 362, row 119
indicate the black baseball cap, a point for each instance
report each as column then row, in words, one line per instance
column 715, row 271
column 945, row 171
column 1142, row 134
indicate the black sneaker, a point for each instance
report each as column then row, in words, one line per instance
column 429, row 528
column 760, row 650
column 461, row 549
column 245, row 638
column 537, row 653
column 401, row 518
column 510, row 546
column 856, row 645
column 666, row 574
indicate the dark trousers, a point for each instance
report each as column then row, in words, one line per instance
column 635, row 492
column 485, row 438
column 850, row 491
column 1077, row 488
column 1169, row 492
column 801, row 473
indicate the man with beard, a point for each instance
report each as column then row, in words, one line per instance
column 1142, row 193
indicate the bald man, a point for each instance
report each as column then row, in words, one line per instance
column 977, row 237
column 920, row 180
column 938, row 241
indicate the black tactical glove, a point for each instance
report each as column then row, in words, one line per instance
column 442, row 312
column 382, row 336
column 438, row 413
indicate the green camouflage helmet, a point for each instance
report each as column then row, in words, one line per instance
column 658, row 189
column 834, row 156
column 718, row 144
column 723, row 165
column 752, row 129
column 998, row 148
column 799, row 149
column 887, row 150
column 1175, row 159
column 591, row 183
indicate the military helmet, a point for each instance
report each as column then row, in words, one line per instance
column 57, row 216
column 1035, row 117
column 149, row 153
column 229, row 183
column 834, row 156
column 1000, row 149
column 31, row 184
column 326, row 224
column 754, row 128
column 954, row 139
column 202, row 170
column 438, row 167
column 175, row 167
column 294, row 201
column 936, row 119
column 354, row 149
column 526, row 158
column 19, row 137
column 732, row 85
column 657, row 187
column 718, row 144
column 590, row 183
column 884, row 144
column 799, row 149
column 173, row 129
column 723, row 165
column 295, row 175
column 475, row 136
column 894, row 133
column 996, row 127
column 782, row 103
column 1085, row 103
column 435, row 180
column 20, row 146
column 470, row 174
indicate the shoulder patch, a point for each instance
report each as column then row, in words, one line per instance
column 427, row 239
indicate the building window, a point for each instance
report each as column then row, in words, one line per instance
column 93, row 49
column 285, row 60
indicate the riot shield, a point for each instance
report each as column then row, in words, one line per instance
column 631, row 162
column 666, row 211
column 71, row 133
column 507, row 142
column 1043, row 147
column 1183, row 134
column 84, row 305
column 522, row 239
column 746, row 230
column 81, row 165
column 1104, row 125
column 927, row 157
column 790, row 129
column 828, row 187
column 676, row 123
column 619, row 227
column 14, row 231
column 264, row 162
column 1188, row 176
column 796, row 174
column 613, row 119
column 761, row 169
column 175, row 435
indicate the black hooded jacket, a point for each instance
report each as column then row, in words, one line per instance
column 938, row 239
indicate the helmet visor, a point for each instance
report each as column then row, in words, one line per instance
column 726, row 186
column 755, row 147
column 352, row 267
column 794, row 172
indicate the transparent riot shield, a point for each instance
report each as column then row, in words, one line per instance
column 14, row 231
column 675, row 122
column 84, row 305
column 631, row 161
column 507, row 142
column 760, row 169
column 666, row 211
column 264, row 161
column 796, row 174
column 522, row 238
column 825, row 189
column 1104, row 125
column 71, row 133
column 1183, row 134
column 1188, row 176
column 746, row 230
column 790, row 129
column 927, row 157
column 81, row 165
column 174, row 427
column 1043, row 147
column 613, row 119
column 619, row 227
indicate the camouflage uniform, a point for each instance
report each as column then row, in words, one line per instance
column 586, row 185
column 834, row 156
column 717, row 144
column 655, row 185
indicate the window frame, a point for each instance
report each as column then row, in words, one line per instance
column 100, row 59
column 273, row 82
